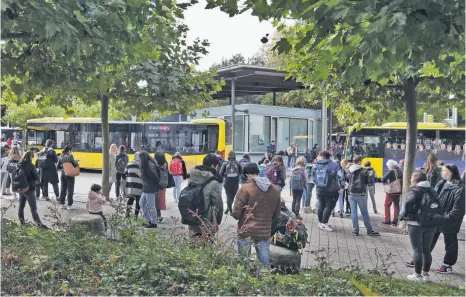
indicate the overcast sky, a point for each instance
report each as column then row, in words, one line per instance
column 227, row 36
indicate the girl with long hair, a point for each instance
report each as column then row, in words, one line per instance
column 432, row 170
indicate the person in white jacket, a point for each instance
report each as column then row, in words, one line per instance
column 4, row 173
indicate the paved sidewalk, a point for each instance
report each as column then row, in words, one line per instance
column 341, row 247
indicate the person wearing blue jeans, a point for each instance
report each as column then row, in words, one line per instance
column 147, row 204
column 177, row 189
column 357, row 189
column 262, row 248
column 361, row 201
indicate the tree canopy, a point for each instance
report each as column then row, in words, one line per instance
column 132, row 52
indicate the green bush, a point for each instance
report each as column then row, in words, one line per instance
column 70, row 263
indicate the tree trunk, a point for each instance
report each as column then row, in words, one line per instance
column 409, row 88
column 105, row 146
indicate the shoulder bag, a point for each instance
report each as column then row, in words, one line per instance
column 393, row 187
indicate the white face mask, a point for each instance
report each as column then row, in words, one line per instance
column 447, row 176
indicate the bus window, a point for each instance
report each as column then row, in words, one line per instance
column 136, row 137
column 87, row 138
column 452, row 146
column 366, row 144
column 119, row 134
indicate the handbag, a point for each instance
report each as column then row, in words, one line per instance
column 171, row 181
column 70, row 170
column 393, row 187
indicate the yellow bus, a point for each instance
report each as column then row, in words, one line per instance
column 192, row 139
column 380, row 144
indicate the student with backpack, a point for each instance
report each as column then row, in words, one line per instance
column 421, row 230
column 307, row 194
column 133, row 185
column 13, row 160
column 371, row 179
column 329, row 180
column 48, row 170
column 178, row 170
column 24, row 180
column 231, row 172
column 202, row 196
column 276, row 172
column 257, row 204
column 298, row 184
column 246, row 159
column 150, row 175
column 121, row 161
column 357, row 190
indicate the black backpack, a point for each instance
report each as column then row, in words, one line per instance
column 42, row 159
column 430, row 212
column 19, row 182
column 191, row 201
column 121, row 164
column 357, row 185
column 231, row 171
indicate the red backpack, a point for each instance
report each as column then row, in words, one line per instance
column 176, row 167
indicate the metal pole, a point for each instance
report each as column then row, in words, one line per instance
column 233, row 95
column 274, row 99
column 324, row 124
column 330, row 124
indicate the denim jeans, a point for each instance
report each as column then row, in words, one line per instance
column 147, row 203
column 177, row 188
column 341, row 202
column 262, row 249
column 361, row 201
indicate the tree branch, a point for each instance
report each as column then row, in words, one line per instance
column 12, row 35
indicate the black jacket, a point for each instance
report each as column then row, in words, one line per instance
column 49, row 173
column 68, row 158
column 413, row 202
column 390, row 176
column 451, row 197
column 31, row 174
column 223, row 172
column 150, row 177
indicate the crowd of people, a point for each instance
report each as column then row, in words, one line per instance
column 253, row 194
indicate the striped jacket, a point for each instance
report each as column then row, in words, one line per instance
column 133, row 181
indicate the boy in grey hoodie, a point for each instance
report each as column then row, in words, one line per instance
column 357, row 190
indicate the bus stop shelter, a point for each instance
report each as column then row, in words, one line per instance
column 243, row 80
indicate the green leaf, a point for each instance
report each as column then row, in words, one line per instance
column 332, row 3
column 321, row 72
column 351, row 74
column 398, row 18
column 51, row 29
column 81, row 19
column 282, row 46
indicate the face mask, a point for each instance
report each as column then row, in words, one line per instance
column 447, row 176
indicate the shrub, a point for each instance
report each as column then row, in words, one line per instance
column 66, row 263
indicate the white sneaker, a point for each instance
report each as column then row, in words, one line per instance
column 426, row 277
column 415, row 277
column 62, row 206
column 70, row 208
column 325, row 227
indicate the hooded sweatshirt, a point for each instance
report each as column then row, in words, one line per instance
column 212, row 197
column 95, row 202
column 415, row 194
column 353, row 171
column 261, row 199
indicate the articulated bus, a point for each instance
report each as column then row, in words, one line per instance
column 380, row 144
column 192, row 139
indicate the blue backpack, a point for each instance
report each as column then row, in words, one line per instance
column 297, row 181
column 321, row 175
column 261, row 171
